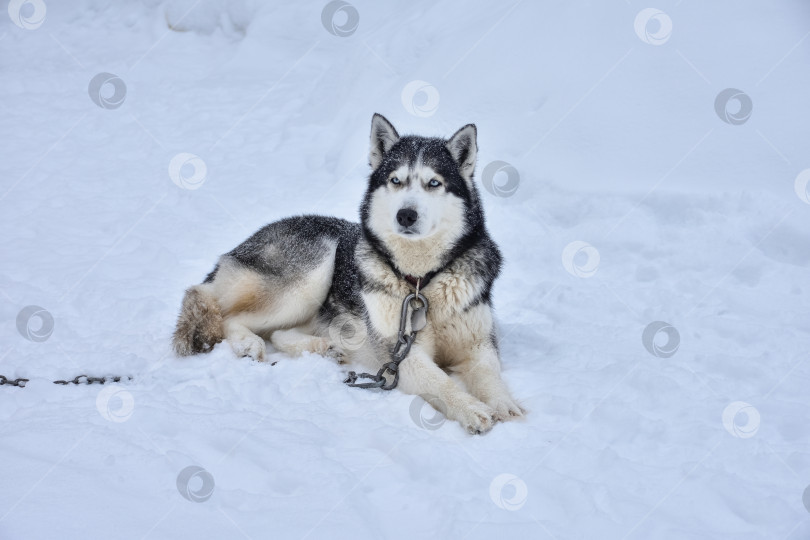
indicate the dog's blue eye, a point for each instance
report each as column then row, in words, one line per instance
column 395, row 180
column 434, row 183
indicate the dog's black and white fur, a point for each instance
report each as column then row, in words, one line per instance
column 303, row 281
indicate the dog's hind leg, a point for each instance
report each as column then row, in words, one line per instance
column 276, row 280
column 256, row 304
column 243, row 341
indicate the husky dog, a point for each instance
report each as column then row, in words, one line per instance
column 421, row 226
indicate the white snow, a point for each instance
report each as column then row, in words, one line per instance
column 617, row 144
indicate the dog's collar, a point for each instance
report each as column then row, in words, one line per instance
column 419, row 282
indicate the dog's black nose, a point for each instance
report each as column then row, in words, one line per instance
column 407, row 217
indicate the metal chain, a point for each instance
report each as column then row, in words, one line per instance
column 80, row 379
column 86, row 379
column 12, row 382
column 401, row 349
column 397, row 356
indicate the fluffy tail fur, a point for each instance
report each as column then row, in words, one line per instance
column 199, row 326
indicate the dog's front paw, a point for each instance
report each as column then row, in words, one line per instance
column 474, row 416
column 252, row 346
column 506, row 408
column 335, row 353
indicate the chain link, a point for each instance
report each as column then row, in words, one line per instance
column 401, row 350
column 12, row 382
column 86, row 379
column 80, row 379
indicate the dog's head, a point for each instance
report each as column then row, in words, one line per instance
column 421, row 188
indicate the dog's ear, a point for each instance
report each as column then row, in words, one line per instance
column 464, row 149
column 383, row 137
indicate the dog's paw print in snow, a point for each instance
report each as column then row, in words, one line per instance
column 784, row 244
column 748, row 274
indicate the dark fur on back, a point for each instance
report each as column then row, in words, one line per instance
column 298, row 241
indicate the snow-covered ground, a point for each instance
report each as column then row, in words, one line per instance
column 610, row 119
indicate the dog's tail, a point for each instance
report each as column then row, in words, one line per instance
column 199, row 325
